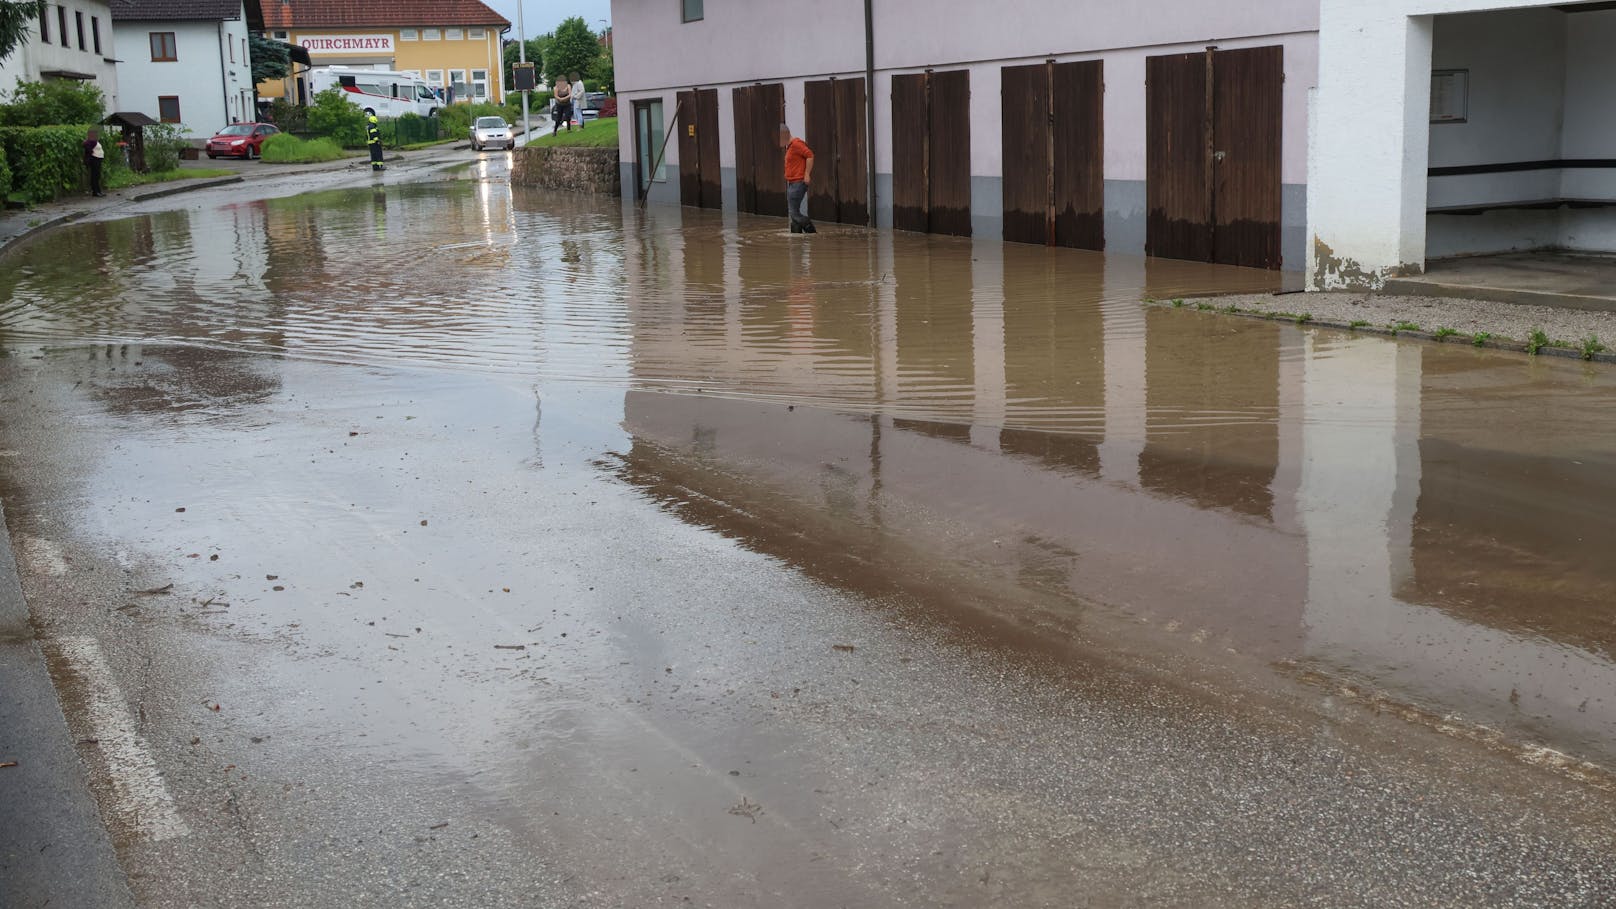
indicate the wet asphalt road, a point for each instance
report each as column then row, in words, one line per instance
column 485, row 549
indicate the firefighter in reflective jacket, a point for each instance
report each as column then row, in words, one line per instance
column 373, row 138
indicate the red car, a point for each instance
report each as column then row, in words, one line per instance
column 240, row 140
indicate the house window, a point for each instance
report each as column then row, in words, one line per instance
column 430, row 34
column 168, row 108
column 454, row 34
column 408, row 34
column 477, row 34
column 44, row 24
column 232, row 49
column 61, row 25
column 434, row 78
column 479, row 84
column 280, row 36
column 78, row 20
column 691, row 10
column 163, row 47
column 95, row 32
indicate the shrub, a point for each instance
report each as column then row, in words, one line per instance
column 284, row 148
column 5, row 177
column 45, row 161
column 332, row 116
column 54, row 103
column 289, row 117
column 163, row 144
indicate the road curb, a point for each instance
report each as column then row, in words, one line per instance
column 1460, row 340
column 54, row 848
column 176, row 190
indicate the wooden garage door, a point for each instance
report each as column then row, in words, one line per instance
column 931, row 152
column 835, row 131
column 699, row 170
column 759, row 161
column 1248, row 148
column 1214, row 144
column 1053, row 141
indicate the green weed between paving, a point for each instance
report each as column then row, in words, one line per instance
column 600, row 133
column 283, row 148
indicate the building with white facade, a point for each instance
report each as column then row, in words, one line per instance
column 1460, row 127
column 187, row 61
column 1354, row 139
column 1177, row 127
column 72, row 40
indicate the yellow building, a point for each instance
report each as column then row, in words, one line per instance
column 453, row 45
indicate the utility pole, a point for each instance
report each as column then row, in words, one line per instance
column 521, row 54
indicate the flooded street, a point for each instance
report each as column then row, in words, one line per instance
column 450, row 544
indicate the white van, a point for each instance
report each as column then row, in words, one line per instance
column 391, row 94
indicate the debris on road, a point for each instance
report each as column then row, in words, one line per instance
column 155, row 591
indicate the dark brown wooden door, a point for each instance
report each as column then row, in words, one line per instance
column 852, row 153
column 949, row 134
column 689, row 151
column 1028, row 214
column 1248, row 123
column 909, row 152
column 1214, row 130
column 1054, row 140
column 760, row 164
column 1078, row 99
column 1178, row 189
column 931, row 152
column 745, row 185
column 835, row 131
column 819, row 106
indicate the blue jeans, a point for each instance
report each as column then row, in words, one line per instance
column 796, row 199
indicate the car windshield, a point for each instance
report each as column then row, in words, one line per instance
column 240, row 129
column 490, row 123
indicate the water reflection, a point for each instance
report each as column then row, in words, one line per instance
column 993, row 420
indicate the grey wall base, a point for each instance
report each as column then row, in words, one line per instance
column 1125, row 217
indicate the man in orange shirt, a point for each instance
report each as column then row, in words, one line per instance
column 799, row 173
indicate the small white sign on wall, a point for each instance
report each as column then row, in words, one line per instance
column 1450, row 96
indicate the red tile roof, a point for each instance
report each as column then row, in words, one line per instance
column 378, row 13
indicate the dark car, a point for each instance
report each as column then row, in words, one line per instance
column 240, row 140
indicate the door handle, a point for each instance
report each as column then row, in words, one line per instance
column 1219, row 156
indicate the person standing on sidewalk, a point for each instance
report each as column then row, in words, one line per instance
column 373, row 139
column 94, row 157
column 799, row 173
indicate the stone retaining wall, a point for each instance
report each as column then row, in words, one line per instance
column 584, row 170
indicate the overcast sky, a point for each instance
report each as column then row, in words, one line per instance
column 544, row 15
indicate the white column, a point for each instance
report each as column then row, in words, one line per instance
column 1369, row 145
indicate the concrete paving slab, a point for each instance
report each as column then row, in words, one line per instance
column 1568, row 280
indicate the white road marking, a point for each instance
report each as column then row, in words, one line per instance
column 141, row 802
column 41, row 556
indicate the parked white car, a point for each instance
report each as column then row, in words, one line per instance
column 491, row 131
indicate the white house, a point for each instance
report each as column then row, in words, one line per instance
column 1175, row 127
column 72, row 40
column 1460, row 127
column 187, row 61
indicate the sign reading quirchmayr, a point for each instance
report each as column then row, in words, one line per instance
column 347, row 44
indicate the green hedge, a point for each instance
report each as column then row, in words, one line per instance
column 45, row 161
column 285, row 148
column 5, row 177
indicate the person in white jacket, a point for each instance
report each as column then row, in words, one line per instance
column 578, row 99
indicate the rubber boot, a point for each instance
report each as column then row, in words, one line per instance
column 796, row 228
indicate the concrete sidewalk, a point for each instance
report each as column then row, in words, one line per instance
column 1548, row 278
column 54, row 849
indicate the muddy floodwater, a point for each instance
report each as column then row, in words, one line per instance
column 529, row 551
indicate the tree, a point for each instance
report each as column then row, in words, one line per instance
column 270, row 59
column 55, row 103
column 535, row 56
column 572, row 50
column 16, row 18
column 604, row 72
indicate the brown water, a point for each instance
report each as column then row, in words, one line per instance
column 1000, row 422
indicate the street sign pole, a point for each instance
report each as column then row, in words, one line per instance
column 521, row 53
